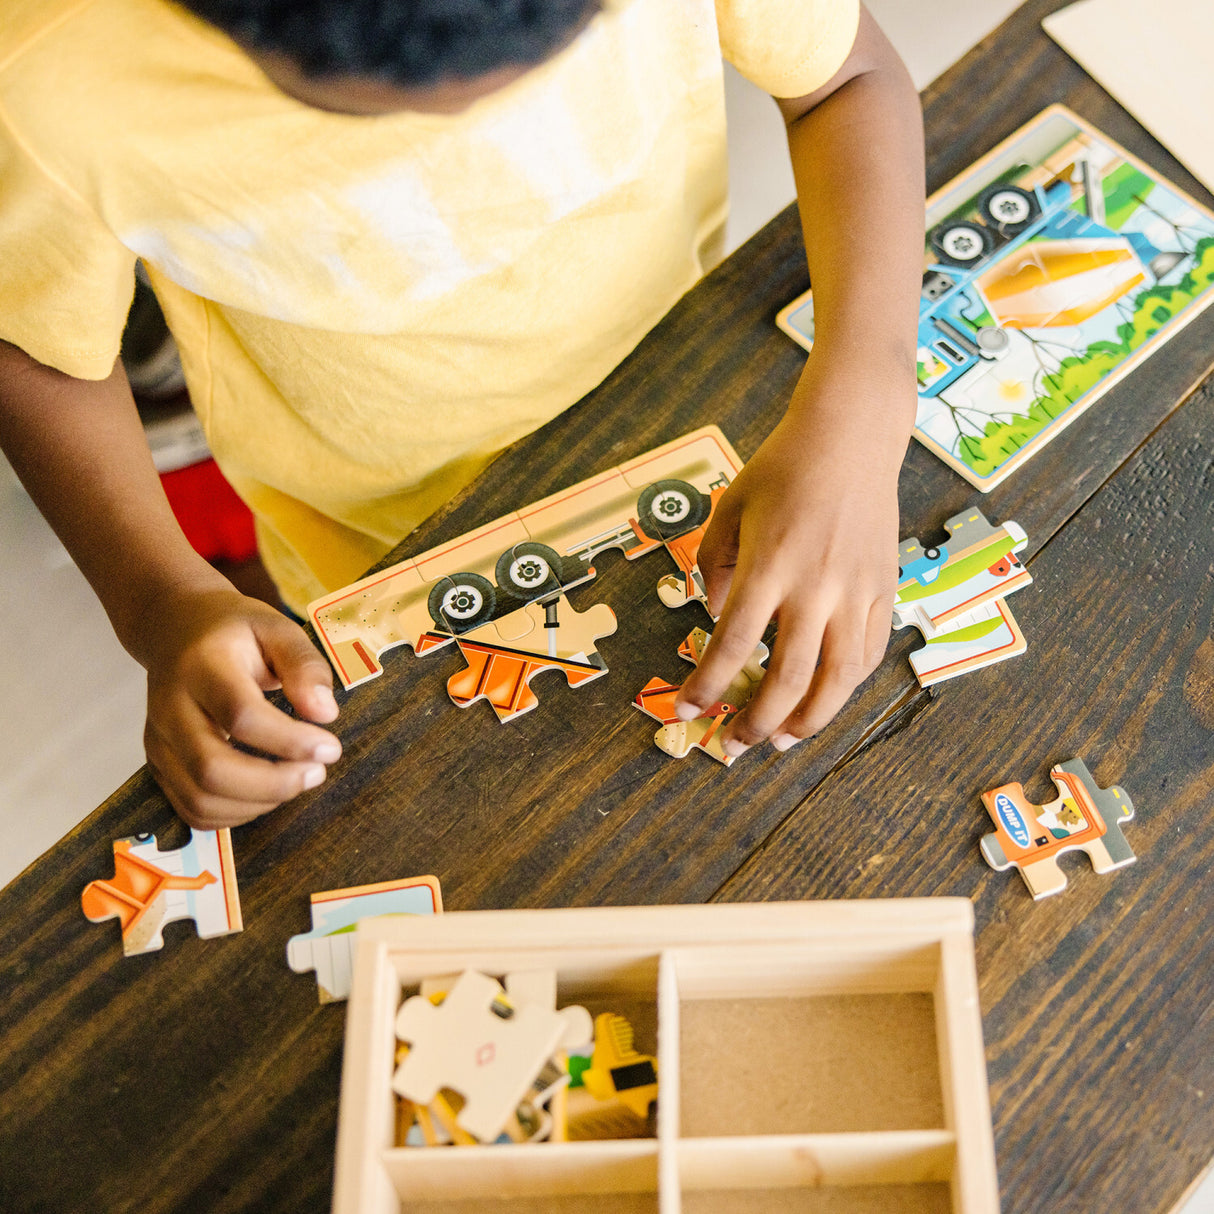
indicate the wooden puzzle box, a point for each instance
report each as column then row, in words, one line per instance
column 815, row 1056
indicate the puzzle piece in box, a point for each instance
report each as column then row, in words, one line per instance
column 498, row 566
column 524, row 987
column 617, row 1071
column 329, row 947
column 151, row 888
column 1084, row 817
column 984, row 636
column 978, row 564
column 504, row 655
column 477, row 1044
column 677, row 737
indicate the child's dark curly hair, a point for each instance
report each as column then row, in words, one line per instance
column 408, row 43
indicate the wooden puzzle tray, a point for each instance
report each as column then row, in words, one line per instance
column 811, row 1056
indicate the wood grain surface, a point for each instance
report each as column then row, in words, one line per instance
column 205, row 1077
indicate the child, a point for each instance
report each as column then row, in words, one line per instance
column 393, row 236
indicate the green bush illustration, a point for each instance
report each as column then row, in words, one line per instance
column 1078, row 374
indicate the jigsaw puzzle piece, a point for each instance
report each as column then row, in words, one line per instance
column 151, row 888
column 362, row 621
column 539, row 551
column 329, row 947
column 677, row 737
column 978, row 564
column 984, row 636
column 502, row 661
column 1083, row 817
column 616, row 1070
column 1060, row 282
column 477, row 1044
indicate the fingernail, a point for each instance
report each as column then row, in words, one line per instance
column 732, row 747
column 314, row 776
column 687, row 712
column 328, row 751
column 783, row 741
column 325, row 698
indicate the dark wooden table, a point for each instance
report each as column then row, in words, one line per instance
column 205, row 1077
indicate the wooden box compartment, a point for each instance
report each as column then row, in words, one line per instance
column 818, row 1057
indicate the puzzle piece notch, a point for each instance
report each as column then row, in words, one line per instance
column 983, row 637
column 151, row 888
column 329, row 947
column 1083, row 817
column 504, row 655
column 677, row 737
column 977, row 565
column 475, row 1043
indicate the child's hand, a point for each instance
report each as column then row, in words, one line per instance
column 808, row 534
column 212, row 660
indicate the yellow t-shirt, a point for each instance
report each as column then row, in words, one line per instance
column 370, row 308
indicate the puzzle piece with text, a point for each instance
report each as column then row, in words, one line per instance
column 329, row 947
column 677, row 737
column 1083, row 817
column 954, row 594
column 478, row 1044
column 151, row 888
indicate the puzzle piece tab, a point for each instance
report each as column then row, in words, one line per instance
column 1084, row 817
column 978, row 564
column 329, row 947
column 677, row 737
column 984, row 636
column 504, row 655
column 476, row 1043
column 151, row 888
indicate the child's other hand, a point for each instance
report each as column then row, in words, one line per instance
column 807, row 534
column 214, row 656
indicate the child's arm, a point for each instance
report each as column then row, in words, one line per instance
column 810, row 526
column 210, row 653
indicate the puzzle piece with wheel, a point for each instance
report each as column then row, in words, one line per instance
column 478, row 1044
column 505, row 654
column 677, row 737
column 663, row 498
column 1083, row 817
column 151, row 888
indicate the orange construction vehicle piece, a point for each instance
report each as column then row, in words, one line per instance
column 140, row 895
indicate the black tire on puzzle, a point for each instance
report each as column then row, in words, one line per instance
column 667, row 509
column 529, row 571
column 461, row 601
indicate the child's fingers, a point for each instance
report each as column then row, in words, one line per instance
column 305, row 676
column 734, row 637
column 240, row 711
column 200, row 809
column 848, row 657
column 790, row 676
column 204, row 765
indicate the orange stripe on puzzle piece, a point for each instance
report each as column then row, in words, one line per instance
column 136, row 885
column 227, row 875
